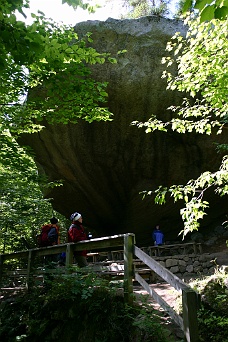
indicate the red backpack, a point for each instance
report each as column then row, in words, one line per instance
column 48, row 236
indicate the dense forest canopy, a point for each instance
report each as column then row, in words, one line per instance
column 202, row 75
column 39, row 56
column 41, row 60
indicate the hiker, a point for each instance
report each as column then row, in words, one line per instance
column 77, row 233
column 49, row 237
column 49, row 234
column 158, row 236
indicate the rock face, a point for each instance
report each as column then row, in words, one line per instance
column 104, row 166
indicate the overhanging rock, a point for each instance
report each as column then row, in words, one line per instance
column 104, row 166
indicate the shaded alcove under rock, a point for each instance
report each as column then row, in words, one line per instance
column 105, row 165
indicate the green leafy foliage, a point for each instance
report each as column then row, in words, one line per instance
column 80, row 307
column 23, row 209
column 201, row 72
column 212, row 316
column 139, row 8
column 80, row 3
column 202, row 60
column 80, row 284
column 192, row 193
column 213, row 328
column 208, row 9
column 50, row 59
column 44, row 76
column 47, row 61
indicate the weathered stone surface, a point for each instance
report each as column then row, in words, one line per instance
column 202, row 258
column 162, row 263
column 171, row 262
column 189, row 268
column 174, row 269
column 182, row 269
column 198, row 269
column 182, row 263
column 196, row 263
column 193, row 266
column 104, row 166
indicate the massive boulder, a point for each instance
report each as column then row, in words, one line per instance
column 105, row 166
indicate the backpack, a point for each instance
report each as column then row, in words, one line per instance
column 53, row 235
column 48, row 236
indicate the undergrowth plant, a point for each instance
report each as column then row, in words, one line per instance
column 78, row 307
column 213, row 313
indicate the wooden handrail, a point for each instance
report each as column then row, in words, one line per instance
column 98, row 243
column 189, row 323
column 178, row 319
column 189, row 297
column 168, row 276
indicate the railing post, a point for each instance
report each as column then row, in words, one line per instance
column 69, row 256
column 128, row 267
column 190, row 306
column 29, row 268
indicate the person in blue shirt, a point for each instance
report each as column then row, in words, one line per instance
column 158, row 236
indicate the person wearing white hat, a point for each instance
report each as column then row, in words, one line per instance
column 77, row 233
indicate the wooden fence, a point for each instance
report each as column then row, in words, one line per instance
column 190, row 299
column 127, row 242
column 174, row 249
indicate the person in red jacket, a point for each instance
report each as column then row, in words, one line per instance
column 77, row 233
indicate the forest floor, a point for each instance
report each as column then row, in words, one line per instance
column 218, row 252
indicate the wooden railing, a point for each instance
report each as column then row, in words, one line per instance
column 190, row 299
column 174, row 249
column 127, row 243
column 110, row 242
